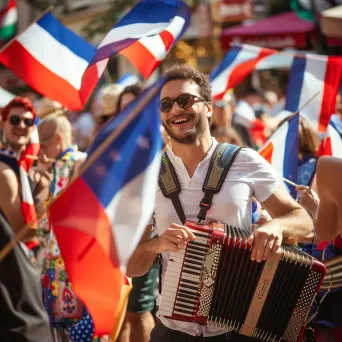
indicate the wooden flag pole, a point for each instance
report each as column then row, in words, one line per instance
column 305, row 104
column 289, row 182
column 49, row 9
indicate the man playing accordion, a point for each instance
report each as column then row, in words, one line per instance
column 186, row 107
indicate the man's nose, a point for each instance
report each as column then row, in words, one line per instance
column 176, row 108
column 22, row 124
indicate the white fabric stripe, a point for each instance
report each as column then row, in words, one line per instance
column 5, row 97
column 155, row 44
column 25, row 187
column 34, row 139
column 53, row 55
column 129, row 222
column 220, row 82
column 10, row 18
column 313, row 82
column 336, row 142
column 278, row 156
column 132, row 31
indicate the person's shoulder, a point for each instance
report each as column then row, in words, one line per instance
column 7, row 176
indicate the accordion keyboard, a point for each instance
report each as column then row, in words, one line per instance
column 180, row 292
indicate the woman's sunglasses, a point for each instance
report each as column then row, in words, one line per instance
column 184, row 101
column 15, row 120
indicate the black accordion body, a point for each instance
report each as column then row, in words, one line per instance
column 213, row 282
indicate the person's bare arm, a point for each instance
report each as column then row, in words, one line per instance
column 10, row 202
column 289, row 221
column 148, row 249
column 329, row 186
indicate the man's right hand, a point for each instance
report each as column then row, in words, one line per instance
column 175, row 237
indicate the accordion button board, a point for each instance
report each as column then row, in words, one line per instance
column 212, row 281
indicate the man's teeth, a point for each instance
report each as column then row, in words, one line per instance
column 178, row 121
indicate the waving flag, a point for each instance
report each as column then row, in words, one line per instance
column 309, row 75
column 98, row 232
column 146, row 34
column 8, row 20
column 281, row 151
column 238, row 63
column 52, row 59
column 332, row 143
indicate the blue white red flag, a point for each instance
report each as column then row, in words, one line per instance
column 238, row 63
column 332, row 142
column 101, row 216
column 146, row 33
column 312, row 74
column 281, row 151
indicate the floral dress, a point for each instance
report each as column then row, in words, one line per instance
column 65, row 310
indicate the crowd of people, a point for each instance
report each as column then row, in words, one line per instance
column 37, row 301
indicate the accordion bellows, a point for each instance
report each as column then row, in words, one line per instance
column 213, row 282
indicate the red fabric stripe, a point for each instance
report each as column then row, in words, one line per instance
column 267, row 152
column 89, row 81
column 244, row 69
column 87, row 244
column 332, row 82
column 31, row 150
column 167, row 39
column 141, row 58
column 10, row 5
column 29, row 213
column 37, row 76
column 327, row 147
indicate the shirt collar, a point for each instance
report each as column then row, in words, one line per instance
column 179, row 162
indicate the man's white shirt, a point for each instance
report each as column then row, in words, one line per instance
column 250, row 175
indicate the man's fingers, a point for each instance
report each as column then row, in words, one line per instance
column 269, row 247
column 276, row 245
column 184, row 229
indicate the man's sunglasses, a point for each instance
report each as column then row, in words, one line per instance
column 15, row 120
column 184, row 101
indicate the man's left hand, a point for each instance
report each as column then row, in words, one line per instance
column 264, row 240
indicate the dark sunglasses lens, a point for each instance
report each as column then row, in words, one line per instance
column 185, row 101
column 166, row 105
column 29, row 122
column 14, row 120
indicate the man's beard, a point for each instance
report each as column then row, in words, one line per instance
column 195, row 133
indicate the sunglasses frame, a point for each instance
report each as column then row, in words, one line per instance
column 191, row 102
column 19, row 120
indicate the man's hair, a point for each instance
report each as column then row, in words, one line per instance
column 58, row 123
column 18, row 102
column 134, row 89
column 187, row 73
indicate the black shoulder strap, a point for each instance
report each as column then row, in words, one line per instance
column 220, row 163
column 169, row 185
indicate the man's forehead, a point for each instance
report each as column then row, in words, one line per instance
column 175, row 88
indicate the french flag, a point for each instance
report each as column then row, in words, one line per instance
column 99, row 219
column 54, row 61
column 238, row 63
column 309, row 75
column 146, row 34
column 281, row 151
column 332, row 142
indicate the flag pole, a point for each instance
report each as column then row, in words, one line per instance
column 305, row 104
column 3, row 48
column 89, row 161
column 289, row 182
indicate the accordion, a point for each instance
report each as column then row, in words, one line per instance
column 212, row 281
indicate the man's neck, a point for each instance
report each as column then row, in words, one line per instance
column 193, row 154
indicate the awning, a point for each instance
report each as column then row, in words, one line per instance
column 331, row 22
column 281, row 31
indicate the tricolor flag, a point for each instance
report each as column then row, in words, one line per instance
column 8, row 20
column 99, row 219
column 52, row 60
column 238, row 63
column 309, row 75
column 281, row 151
column 332, row 142
column 146, row 34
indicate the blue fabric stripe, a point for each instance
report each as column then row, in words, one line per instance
column 295, row 84
column 66, row 37
column 291, row 153
column 150, row 11
column 226, row 62
column 134, row 159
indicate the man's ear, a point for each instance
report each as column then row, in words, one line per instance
column 209, row 106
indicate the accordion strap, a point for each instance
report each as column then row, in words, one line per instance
column 220, row 163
